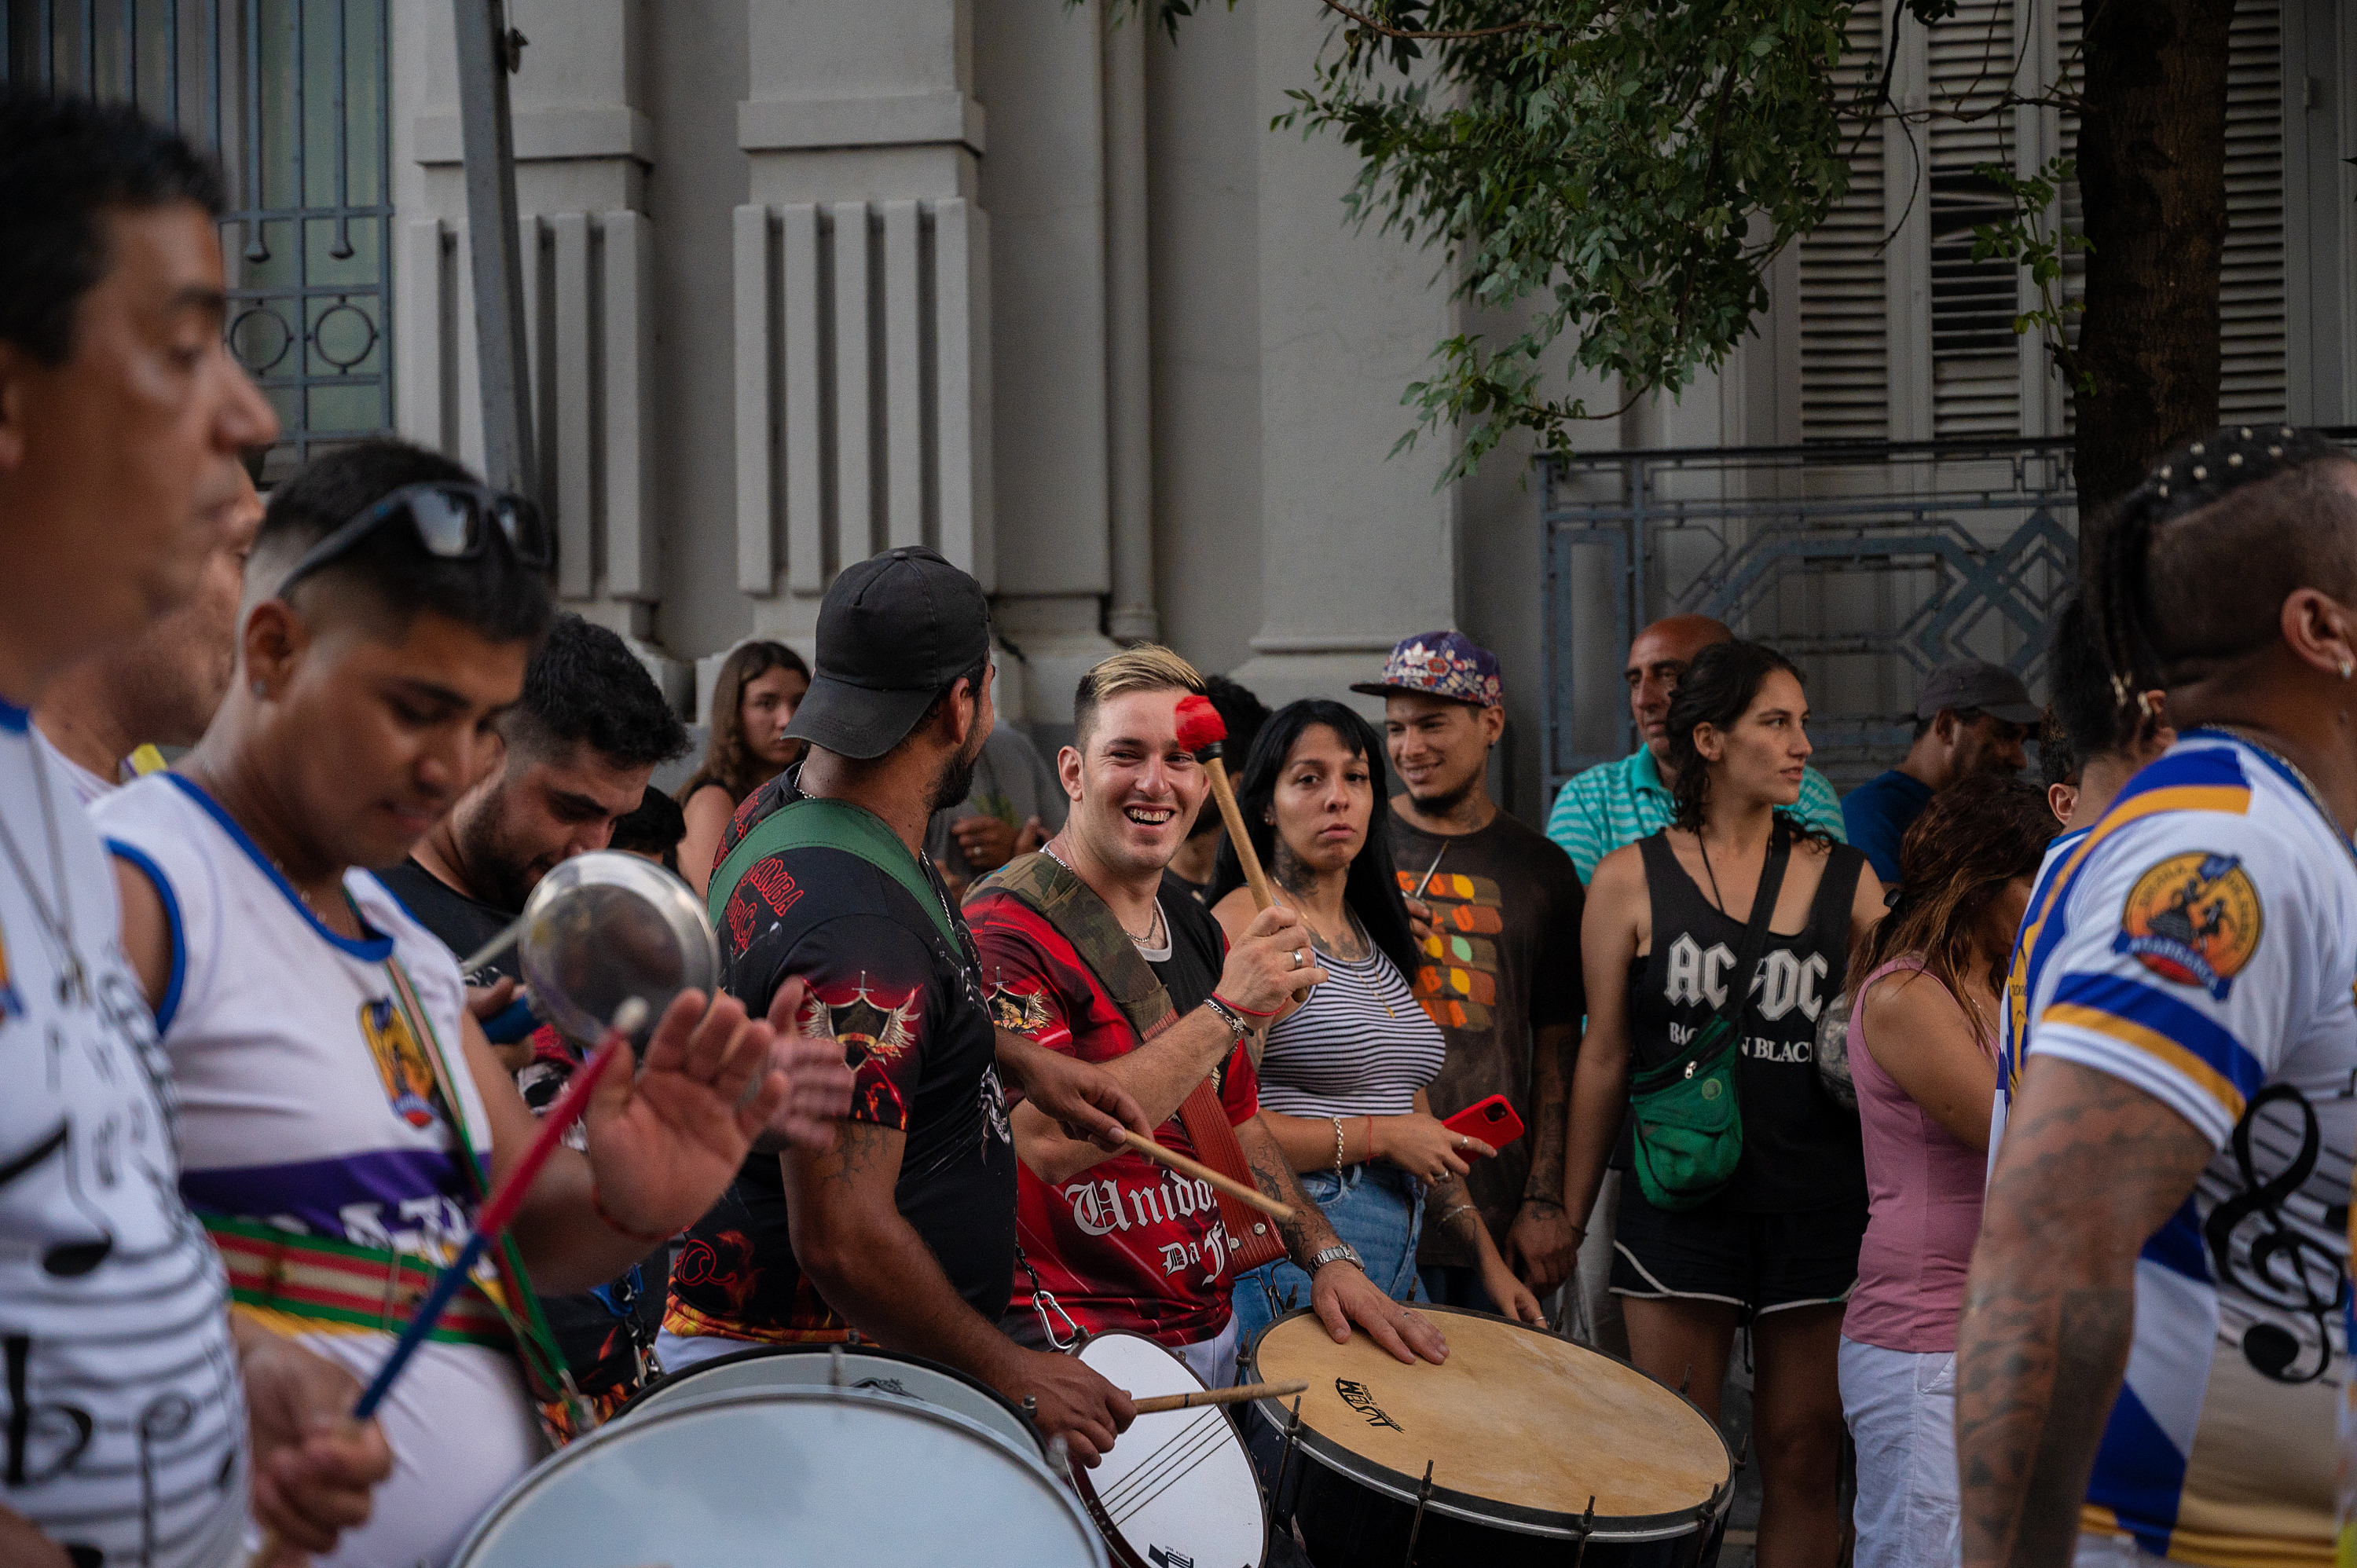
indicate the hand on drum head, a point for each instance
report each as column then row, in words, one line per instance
column 818, row 1079
column 1343, row 1296
column 664, row 1144
column 1075, row 1403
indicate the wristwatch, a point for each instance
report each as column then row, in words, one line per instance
column 1341, row 1252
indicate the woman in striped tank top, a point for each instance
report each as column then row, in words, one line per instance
column 1343, row 1076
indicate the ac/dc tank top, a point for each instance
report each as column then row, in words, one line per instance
column 1801, row 1148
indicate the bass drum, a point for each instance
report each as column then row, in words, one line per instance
column 1520, row 1449
column 787, row 1479
column 863, row 1367
column 1176, row 1490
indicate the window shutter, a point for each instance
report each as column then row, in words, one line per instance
column 2251, row 286
column 1975, row 354
column 1845, row 294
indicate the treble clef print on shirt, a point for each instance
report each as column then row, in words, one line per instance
column 2278, row 1272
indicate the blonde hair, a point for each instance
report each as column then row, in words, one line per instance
column 1149, row 667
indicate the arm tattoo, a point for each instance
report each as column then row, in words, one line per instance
column 2050, row 1311
column 1306, row 1233
column 859, row 1148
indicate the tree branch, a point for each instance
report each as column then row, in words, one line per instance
column 1386, row 30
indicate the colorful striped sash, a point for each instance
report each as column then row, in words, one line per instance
column 342, row 1287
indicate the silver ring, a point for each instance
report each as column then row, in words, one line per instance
column 1298, row 961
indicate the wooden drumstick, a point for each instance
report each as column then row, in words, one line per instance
column 1201, row 1172
column 1202, row 732
column 1238, row 1395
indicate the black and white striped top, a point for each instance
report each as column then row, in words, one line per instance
column 1361, row 1045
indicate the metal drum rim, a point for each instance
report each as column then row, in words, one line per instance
column 613, row 1431
column 630, row 1407
column 1086, row 1491
column 1472, row 1508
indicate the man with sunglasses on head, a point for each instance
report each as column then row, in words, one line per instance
column 342, row 1115
column 142, row 1422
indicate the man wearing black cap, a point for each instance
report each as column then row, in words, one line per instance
column 1972, row 718
column 905, row 1228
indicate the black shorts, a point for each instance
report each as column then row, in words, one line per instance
column 1757, row 1262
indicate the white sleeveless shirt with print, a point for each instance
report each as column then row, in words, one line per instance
column 308, row 1103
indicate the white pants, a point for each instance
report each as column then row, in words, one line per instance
column 1901, row 1410
column 678, row 1352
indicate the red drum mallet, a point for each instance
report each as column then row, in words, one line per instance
column 1203, row 732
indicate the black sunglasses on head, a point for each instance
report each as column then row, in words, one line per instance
column 450, row 520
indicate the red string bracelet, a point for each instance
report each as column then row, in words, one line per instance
column 1247, row 1012
column 598, row 1207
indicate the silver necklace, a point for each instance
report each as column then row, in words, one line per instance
column 73, row 983
column 2308, row 786
column 1153, row 922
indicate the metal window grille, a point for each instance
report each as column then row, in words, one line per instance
column 294, row 97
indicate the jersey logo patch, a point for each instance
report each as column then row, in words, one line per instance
column 872, row 1025
column 2192, row 920
column 401, row 1064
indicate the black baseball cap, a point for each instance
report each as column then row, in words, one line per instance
column 1970, row 683
column 892, row 631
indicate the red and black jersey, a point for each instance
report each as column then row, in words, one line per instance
column 1127, row 1245
column 906, row 1006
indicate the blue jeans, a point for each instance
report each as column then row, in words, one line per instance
column 1376, row 1208
column 1453, row 1284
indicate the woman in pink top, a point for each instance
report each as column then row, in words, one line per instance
column 1922, row 1052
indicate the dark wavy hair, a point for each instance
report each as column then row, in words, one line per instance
column 1976, row 836
column 727, row 760
column 1371, row 887
column 585, row 687
column 1716, row 690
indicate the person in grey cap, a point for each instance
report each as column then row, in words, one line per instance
column 1971, row 718
column 905, row 1230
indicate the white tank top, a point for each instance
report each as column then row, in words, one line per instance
column 308, row 1103
column 125, row 1426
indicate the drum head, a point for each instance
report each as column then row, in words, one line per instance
column 1178, row 1485
column 867, row 1369
column 788, row 1478
column 1521, row 1428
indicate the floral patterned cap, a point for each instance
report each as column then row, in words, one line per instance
column 1440, row 664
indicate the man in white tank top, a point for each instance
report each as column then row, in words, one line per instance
column 343, row 1113
column 131, row 1397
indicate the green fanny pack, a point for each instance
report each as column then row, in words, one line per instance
column 1688, row 1132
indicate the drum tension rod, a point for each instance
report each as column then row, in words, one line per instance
column 1415, row 1526
column 835, row 1365
column 1743, row 1449
column 1586, row 1529
column 1284, row 1457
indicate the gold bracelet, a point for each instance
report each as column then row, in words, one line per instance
column 1338, row 1145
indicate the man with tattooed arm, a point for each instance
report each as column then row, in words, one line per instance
column 2154, row 1338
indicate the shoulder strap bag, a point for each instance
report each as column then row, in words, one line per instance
column 1083, row 919
column 1689, row 1137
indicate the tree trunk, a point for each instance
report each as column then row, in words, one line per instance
column 2152, row 169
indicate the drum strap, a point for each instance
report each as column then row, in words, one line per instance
column 1083, row 920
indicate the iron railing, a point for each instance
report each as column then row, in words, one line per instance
column 294, row 97
column 1866, row 564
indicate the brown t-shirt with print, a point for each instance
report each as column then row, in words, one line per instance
column 1502, row 963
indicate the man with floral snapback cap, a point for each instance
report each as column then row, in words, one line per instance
column 1499, row 973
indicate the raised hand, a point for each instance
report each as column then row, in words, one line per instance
column 665, row 1143
column 1260, row 977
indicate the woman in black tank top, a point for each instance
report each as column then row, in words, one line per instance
column 1778, row 1247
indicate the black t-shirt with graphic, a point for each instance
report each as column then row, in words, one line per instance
column 907, row 1003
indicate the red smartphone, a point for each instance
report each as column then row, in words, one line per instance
column 1492, row 1121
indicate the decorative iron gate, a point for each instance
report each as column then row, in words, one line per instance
column 294, row 97
column 1866, row 564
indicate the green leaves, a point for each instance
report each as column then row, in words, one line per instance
column 1619, row 173
column 2033, row 238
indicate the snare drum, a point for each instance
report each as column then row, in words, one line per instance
column 843, row 1366
column 1178, row 1490
column 807, row 1478
column 1516, row 1444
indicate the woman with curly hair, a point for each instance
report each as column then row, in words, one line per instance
column 1774, row 1244
column 1922, row 1052
column 760, row 686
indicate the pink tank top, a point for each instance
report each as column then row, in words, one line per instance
column 1924, row 1189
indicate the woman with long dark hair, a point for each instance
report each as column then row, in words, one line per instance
column 760, row 686
column 1342, row 1077
column 1776, row 1245
column 1922, row 1052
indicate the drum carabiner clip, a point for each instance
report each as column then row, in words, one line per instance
column 1043, row 1304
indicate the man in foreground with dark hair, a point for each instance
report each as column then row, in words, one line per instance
column 142, row 1421
column 830, row 912
column 572, row 757
column 2154, row 1343
column 342, row 1116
